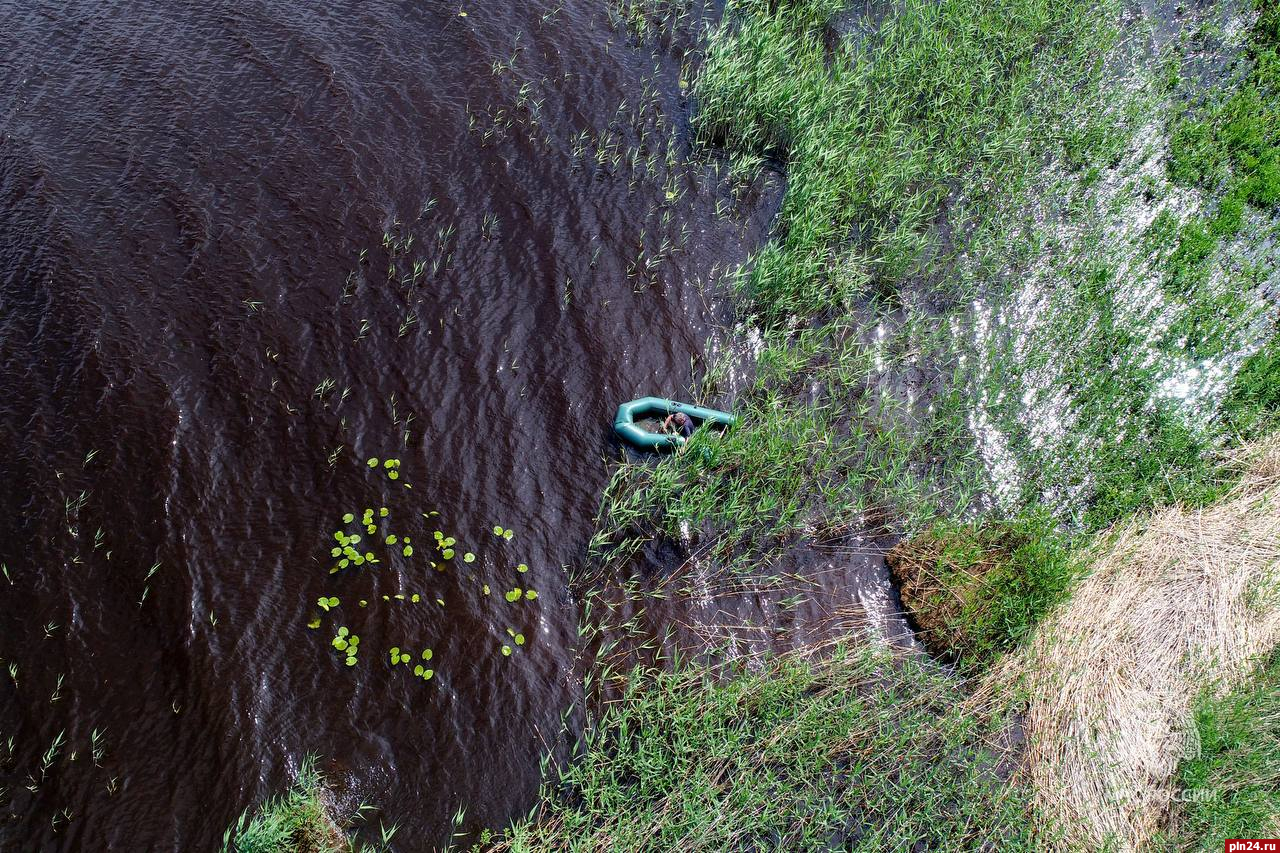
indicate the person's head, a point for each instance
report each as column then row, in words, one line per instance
column 680, row 418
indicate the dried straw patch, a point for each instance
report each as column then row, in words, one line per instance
column 1178, row 602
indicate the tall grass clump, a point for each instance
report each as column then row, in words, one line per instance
column 302, row 820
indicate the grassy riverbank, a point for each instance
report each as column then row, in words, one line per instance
column 1021, row 289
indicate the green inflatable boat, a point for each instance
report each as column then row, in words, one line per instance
column 624, row 423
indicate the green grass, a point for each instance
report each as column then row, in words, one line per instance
column 1232, row 788
column 301, row 820
column 851, row 752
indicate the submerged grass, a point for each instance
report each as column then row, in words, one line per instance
column 845, row 750
column 895, row 146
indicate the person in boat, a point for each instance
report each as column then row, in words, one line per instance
column 682, row 423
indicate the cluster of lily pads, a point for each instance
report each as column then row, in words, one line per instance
column 403, row 657
column 345, row 641
column 517, row 637
column 390, row 466
column 353, row 548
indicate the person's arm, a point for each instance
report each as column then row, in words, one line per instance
column 666, row 425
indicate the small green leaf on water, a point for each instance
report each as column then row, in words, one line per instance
column 388, row 464
column 427, row 673
column 407, row 550
column 513, row 594
column 368, row 555
column 391, row 539
column 399, row 596
column 340, row 644
column 355, row 539
column 497, row 531
column 506, row 651
column 511, row 632
column 347, row 518
column 314, row 623
column 530, row 594
column 364, row 603
column 448, row 554
column 406, row 540
column 416, row 598
column 507, row 534
column 371, row 529
column 522, row 568
column 486, row 589
column 417, row 670
column 393, row 474
column 342, row 564
column 342, row 631
column 333, row 601
column 440, row 601
column 382, row 512
column 395, row 651
column 426, row 654
column 468, row 557
column 519, row 639
column 351, row 661
column 335, row 551
column 358, row 560
column 373, row 462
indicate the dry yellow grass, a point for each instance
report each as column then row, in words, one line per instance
column 1177, row 602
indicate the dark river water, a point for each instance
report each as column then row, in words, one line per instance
column 244, row 247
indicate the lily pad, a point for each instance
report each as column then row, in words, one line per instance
column 506, row 651
column 530, row 594
column 519, row 639
column 468, row 557
column 314, row 623
column 497, row 531
column 348, row 517
column 373, row 462
column 407, row 550
column 427, row 654
column 522, row 568
column 447, row 554
column 418, row 670
column 393, row 474
column 513, row 594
